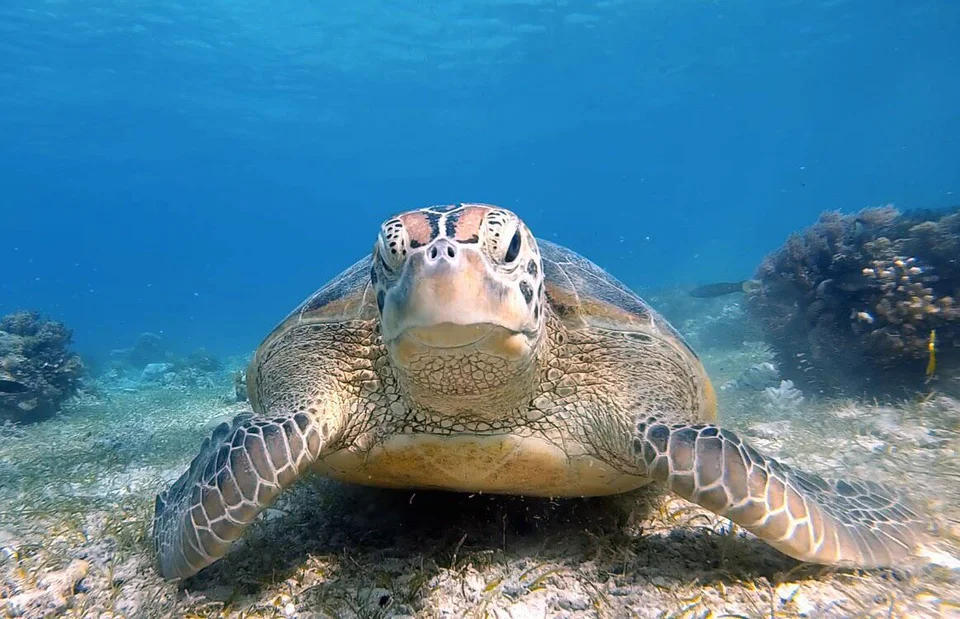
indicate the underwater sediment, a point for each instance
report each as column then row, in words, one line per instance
column 77, row 497
column 864, row 302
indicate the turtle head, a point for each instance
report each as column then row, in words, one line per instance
column 460, row 291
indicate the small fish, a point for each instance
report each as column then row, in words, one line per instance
column 9, row 384
column 932, row 350
column 721, row 288
column 864, row 317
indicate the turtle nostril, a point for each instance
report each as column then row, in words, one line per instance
column 442, row 250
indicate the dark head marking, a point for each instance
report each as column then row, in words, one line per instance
column 526, row 290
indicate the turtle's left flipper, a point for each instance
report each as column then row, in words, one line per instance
column 852, row 523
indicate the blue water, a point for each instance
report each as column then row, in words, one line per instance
column 197, row 169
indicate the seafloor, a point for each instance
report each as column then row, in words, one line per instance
column 76, row 500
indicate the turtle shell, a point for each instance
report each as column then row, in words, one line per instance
column 584, row 295
column 348, row 296
column 581, row 293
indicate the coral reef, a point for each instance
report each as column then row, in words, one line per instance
column 851, row 303
column 757, row 376
column 148, row 348
column 179, row 375
column 150, row 363
column 37, row 370
column 203, row 360
column 784, row 398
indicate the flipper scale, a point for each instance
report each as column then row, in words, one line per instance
column 834, row 522
column 238, row 472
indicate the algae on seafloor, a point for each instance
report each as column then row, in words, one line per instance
column 81, row 487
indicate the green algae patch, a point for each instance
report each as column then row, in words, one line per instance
column 77, row 492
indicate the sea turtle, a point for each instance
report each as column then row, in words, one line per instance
column 465, row 354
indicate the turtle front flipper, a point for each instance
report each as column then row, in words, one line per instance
column 239, row 471
column 850, row 523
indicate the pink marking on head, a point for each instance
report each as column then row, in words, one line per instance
column 419, row 228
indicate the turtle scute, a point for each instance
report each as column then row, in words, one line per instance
column 841, row 522
column 239, row 471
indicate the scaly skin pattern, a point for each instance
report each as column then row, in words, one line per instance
column 589, row 386
column 571, row 388
column 239, row 470
column 853, row 523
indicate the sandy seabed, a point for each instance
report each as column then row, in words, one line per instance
column 77, row 492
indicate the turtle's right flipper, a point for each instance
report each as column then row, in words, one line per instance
column 239, row 471
column 851, row 523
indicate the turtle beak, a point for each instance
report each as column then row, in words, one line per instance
column 449, row 285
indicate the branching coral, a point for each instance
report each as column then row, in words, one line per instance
column 850, row 303
column 784, row 398
column 37, row 370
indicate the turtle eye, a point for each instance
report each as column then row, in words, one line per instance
column 392, row 247
column 514, row 249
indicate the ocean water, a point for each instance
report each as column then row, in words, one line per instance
column 198, row 170
column 195, row 170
